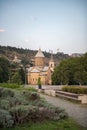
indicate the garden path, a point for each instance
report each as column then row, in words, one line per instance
column 77, row 111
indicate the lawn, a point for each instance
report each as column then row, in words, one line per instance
column 66, row 124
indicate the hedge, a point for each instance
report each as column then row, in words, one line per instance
column 75, row 89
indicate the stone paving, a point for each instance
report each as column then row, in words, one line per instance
column 77, row 111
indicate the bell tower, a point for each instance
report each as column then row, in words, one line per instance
column 39, row 59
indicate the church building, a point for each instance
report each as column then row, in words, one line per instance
column 40, row 70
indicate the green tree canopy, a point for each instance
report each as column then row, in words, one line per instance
column 4, row 69
column 18, row 76
column 71, row 71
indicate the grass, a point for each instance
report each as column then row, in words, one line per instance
column 10, row 85
column 66, row 124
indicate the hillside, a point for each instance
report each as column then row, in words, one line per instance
column 9, row 52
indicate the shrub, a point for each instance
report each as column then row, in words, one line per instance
column 41, row 103
column 23, row 113
column 4, row 104
column 75, row 89
column 25, row 106
column 26, row 113
column 18, row 99
column 5, row 119
column 34, row 96
column 1, row 89
column 4, row 92
column 51, row 113
column 31, row 95
column 10, row 98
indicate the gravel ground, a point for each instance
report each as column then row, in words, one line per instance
column 77, row 111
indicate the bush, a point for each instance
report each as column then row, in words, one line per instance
column 51, row 113
column 75, row 89
column 18, row 99
column 25, row 106
column 10, row 98
column 1, row 89
column 41, row 103
column 23, row 113
column 5, row 119
column 4, row 92
column 29, row 113
column 4, row 104
column 31, row 95
column 34, row 96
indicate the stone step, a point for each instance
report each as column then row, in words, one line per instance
column 68, row 94
column 67, row 97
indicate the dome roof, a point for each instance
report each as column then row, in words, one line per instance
column 39, row 54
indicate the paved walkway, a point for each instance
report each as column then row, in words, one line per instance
column 77, row 111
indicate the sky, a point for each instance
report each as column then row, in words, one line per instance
column 57, row 25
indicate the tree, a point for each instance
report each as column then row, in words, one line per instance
column 22, row 74
column 26, row 62
column 4, row 69
column 16, row 78
column 72, row 71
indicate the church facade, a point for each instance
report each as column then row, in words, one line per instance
column 40, row 70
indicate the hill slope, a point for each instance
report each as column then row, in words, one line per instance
column 9, row 52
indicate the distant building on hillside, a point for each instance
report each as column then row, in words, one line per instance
column 76, row 55
column 40, row 70
column 16, row 60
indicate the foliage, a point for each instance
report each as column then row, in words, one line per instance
column 34, row 96
column 9, row 85
column 27, row 106
column 16, row 78
column 22, row 75
column 75, row 89
column 72, row 71
column 32, row 89
column 66, row 124
column 28, row 53
column 5, row 119
column 26, row 62
column 52, row 113
column 4, row 104
column 61, row 55
column 7, row 75
column 4, row 70
column 31, row 95
column 6, row 92
column 22, row 113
